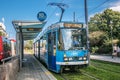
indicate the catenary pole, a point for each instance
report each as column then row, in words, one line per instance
column 86, row 22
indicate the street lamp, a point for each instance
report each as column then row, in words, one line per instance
column 86, row 21
column 111, row 34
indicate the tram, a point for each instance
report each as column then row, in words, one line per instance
column 63, row 45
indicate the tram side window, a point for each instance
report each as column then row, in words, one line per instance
column 37, row 48
column 54, row 39
column 54, row 43
column 60, row 41
column 40, row 43
column 34, row 48
column 84, row 37
column 43, row 44
column 49, row 43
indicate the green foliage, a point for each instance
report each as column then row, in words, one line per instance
column 101, row 26
column 28, row 44
column 94, row 49
column 0, row 33
column 96, row 38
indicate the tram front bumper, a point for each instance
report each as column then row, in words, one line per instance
column 72, row 63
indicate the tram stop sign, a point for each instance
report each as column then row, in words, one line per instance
column 41, row 16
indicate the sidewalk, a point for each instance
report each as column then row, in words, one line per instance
column 105, row 58
column 34, row 70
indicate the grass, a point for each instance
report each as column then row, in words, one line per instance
column 112, row 67
column 99, row 69
column 77, row 75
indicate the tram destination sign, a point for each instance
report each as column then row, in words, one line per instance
column 73, row 25
column 33, row 29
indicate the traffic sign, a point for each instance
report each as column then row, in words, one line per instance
column 41, row 16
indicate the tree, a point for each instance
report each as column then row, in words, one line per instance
column 0, row 33
column 102, row 21
column 101, row 25
column 28, row 44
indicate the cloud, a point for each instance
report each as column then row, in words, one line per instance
column 3, row 19
column 92, row 15
column 115, row 6
column 57, row 14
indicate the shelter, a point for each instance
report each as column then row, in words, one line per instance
column 26, row 30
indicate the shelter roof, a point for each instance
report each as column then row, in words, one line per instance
column 29, row 29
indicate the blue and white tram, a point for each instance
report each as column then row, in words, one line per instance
column 63, row 45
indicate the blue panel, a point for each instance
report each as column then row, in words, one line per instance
column 59, row 58
column 52, row 62
column 75, row 53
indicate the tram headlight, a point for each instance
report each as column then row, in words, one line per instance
column 84, row 58
column 65, row 59
column 70, row 58
column 80, row 58
column 64, row 55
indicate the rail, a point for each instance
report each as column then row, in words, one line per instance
column 5, row 59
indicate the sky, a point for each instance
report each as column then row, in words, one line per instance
column 27, row 10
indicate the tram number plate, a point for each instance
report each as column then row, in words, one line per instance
column 84, row 62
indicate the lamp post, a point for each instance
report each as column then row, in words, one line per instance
column 111, row 34
column 86, row 22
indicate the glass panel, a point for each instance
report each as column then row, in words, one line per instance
column 71, row 39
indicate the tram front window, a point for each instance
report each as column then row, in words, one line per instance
column 72, row 39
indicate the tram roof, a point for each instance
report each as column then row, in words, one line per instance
column 29, row 29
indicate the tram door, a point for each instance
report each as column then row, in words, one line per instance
column 52, row 50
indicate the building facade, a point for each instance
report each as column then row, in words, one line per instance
column 3, row 30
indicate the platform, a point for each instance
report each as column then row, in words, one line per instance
column 33, row 70
column 105, row 58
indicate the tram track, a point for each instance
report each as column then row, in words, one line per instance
column 95, row 65
column 79, row 73
column 88, row 75
column 63, row 77
column 95, row 71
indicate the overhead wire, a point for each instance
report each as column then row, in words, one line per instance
column 100, row 5
column 82, row 14
column 53, row 11
column 50, row 14
column 97, row 6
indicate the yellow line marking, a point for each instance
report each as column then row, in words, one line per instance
column 47, row 72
